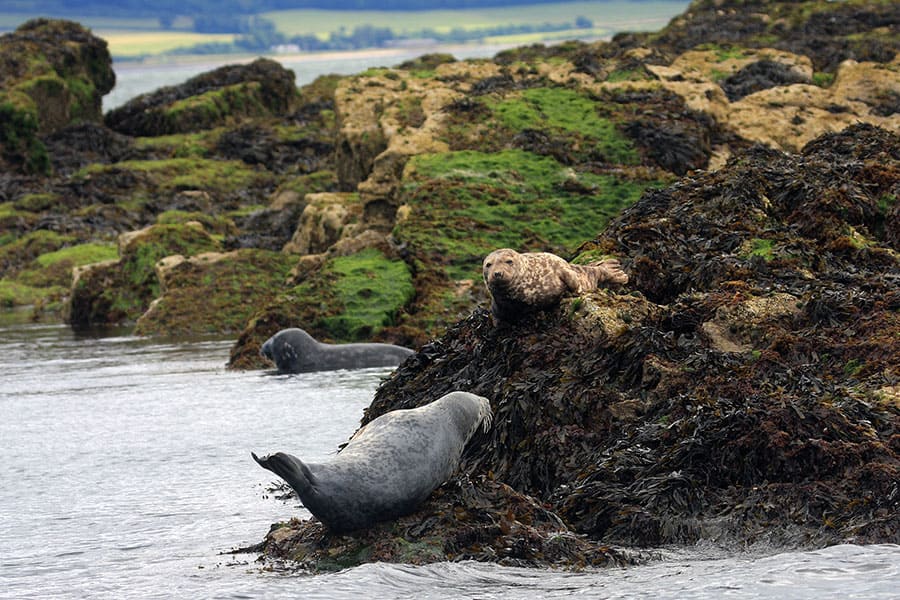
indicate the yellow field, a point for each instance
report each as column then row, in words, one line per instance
column 137, row 43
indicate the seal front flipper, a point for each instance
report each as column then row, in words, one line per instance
column 289, row 468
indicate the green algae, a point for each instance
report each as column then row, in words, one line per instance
column 81, row 254
column 506, row 199
column 188, row 173
column 19, row 143
column 231, row 287
column 216, row 224
column 568, row 112
column 372, row 289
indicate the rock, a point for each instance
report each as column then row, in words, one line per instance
column 52, row 73
column 120, row 292
column 233, row 285
column 261, row 88
column 761, row 75
column 745, row 395
column 327, row 218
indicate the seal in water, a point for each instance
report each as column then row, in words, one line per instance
column 523, row 282
column 388, row 467
column 295, row 351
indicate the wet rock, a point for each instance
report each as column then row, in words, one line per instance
column 85, row 143
column 261, row 88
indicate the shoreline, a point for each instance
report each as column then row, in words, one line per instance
column 213, row 60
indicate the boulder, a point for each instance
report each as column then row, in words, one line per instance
column 222, row 96
column 119, row 292
column 52, row 73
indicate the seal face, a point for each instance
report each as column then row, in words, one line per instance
column 520, row 283
column 295, row 351
column 388, row 467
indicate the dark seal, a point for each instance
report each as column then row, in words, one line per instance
column 520, row 283
column 389, row 467
column 295, row 351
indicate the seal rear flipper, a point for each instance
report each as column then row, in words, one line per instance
column 289, row 468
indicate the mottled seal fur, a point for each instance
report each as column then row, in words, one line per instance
column 523, row 282
column 388, row 467
column 295, row 351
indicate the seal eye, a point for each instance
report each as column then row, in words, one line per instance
column 487, row 265
column 509, row 261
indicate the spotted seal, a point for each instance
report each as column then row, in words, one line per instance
column 522, row 282
column 295, row 351
column 388, row 467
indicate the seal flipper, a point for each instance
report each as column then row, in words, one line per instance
column 290, row 469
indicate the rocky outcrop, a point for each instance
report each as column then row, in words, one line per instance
column 229, row 93
column 234, row 284
column 118, row 292
column 744, row 391
column 52, row 73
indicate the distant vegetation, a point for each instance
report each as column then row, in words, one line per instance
column 135, row 28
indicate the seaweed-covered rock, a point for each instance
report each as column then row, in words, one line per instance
column 760, row 75
column 464, row 519
column 52, row 73
column 232, row 285
column 118, row 292
column 744, row 391
column 261, row 88
column 827, row 32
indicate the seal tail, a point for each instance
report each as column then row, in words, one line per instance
column 290, row 469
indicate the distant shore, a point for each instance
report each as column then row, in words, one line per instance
column 134, row 77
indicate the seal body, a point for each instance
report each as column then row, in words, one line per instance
column 523, row 282
column 295, row 351
column 388, row 467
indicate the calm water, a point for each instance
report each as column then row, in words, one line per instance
column 133, row 79
column 126, row 473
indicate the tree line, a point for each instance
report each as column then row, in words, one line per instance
column 168, row 9
column 258, row 35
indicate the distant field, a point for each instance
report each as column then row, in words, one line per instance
column 615, row 15
column 139, row 43
column 144, row 37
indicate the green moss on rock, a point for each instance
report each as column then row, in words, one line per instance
column 349, row 299
column 120, row 293
column 484, row 201
column 215, row 293
column 568, row 113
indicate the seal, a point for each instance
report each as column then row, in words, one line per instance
column 295, row 351
column 520, row 283
column 389, row 467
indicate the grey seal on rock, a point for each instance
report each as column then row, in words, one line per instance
column 295, row 351
column 388, row 467
column 523, row 282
